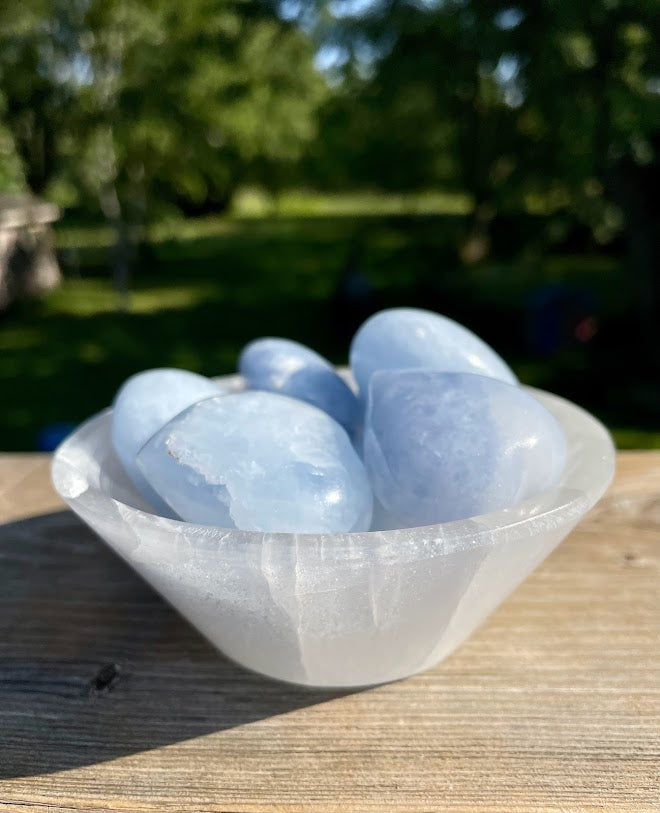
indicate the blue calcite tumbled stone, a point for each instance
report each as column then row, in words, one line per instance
column 289, row 368
column 259, row 462
column 143, row 405
column 445, row 446
column 403, row 338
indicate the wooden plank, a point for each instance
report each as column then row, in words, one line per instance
column 554, row 705
column 25, row 489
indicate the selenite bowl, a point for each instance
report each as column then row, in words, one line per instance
column 333, row 610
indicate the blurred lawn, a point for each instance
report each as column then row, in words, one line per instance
column 205, row 287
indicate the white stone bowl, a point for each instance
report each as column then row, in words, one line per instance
column 334, row 610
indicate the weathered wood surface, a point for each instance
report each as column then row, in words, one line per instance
column 554, row 705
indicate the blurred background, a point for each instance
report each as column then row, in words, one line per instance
column 178, row 178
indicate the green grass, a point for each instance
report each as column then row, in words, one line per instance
column 205, row 287
column 635, row 438
column 255, row 204
column 299, row 203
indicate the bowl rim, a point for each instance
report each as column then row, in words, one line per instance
column 564, row 498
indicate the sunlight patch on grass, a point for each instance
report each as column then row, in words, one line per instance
column 93, row 296
column 181, row 229
column 176, row 298
column 76, row 237
column 20, row 338
column 256, row 204
column 72, row 238
column 253, row 202
column 309, row 204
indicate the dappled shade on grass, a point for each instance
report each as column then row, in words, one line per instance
column 197, row 299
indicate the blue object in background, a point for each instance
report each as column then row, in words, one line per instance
column 49, row 437
column 558, row 316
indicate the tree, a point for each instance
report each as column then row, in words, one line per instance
column 543, row 103
column 592, row 111
column 136, row 105
column 436, row 102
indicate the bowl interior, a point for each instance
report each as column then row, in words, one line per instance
column 86, row 468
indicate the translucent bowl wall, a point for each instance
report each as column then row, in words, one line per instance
column 343, row 609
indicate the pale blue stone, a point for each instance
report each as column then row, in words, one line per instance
column 289, row 368
column 445, row 446
column 259, row 462
column 143, row 405
column 403, row 338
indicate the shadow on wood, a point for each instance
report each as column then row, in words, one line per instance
column 94, row 665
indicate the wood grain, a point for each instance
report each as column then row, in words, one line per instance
column 110, row 702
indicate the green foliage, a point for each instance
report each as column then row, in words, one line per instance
column 591, row 111
column 11, row 170
column 136, row 106
column 541, row 103
column 135, row 103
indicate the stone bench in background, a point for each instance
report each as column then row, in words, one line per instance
column 28, row 264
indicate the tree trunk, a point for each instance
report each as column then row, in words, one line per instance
column 635, row 190
column 121, row 252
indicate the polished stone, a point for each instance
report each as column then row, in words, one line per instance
column 404, row 338
column 446, row 446
column 259, row 462
column 143, row 405
column 289, row 368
